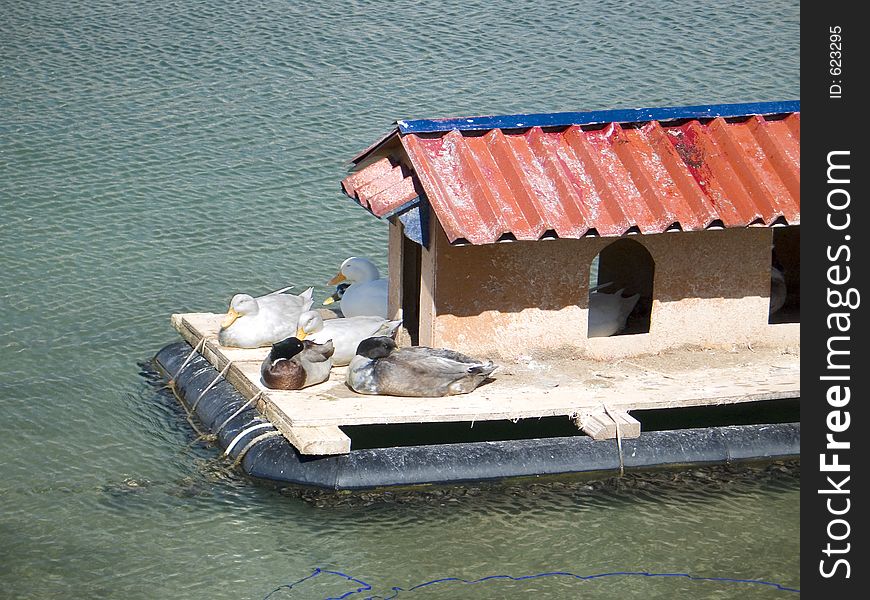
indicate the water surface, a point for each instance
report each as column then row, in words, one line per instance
column 157, row 157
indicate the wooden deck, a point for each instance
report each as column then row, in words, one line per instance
column 597, row 395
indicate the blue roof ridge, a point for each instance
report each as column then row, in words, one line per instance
column 631, row 115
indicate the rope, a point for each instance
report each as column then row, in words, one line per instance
column 576, row 417
column 256, row 440
column 618, row 440
column 187, row 412
column 243, row 433
column 187, row 360
column 727, row 448
column 209, row 386
column 171, row 385
column 237, row 413
column 190, row 411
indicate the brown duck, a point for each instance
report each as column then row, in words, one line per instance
column 380, row 367
column 293, row 364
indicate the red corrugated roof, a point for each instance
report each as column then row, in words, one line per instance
column 576, row 180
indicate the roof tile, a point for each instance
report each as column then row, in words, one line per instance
column 484, row 184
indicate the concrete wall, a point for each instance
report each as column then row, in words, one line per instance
column 711, row 289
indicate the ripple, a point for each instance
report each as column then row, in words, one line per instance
column 159, row 157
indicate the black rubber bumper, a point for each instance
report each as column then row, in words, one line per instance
column 274, row 458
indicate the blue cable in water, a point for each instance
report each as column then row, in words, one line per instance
column 317, row 571
column 365, row 587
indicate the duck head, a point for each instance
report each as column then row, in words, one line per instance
column 309, row 322
column 281, row 369
column 285, row 349
column 291, row 347
column 376, row 347
column 337, row 294
column 241, row 305
column 356, row 270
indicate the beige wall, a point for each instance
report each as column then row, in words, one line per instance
column 711, row 289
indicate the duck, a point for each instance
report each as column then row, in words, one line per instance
column 336, row 296
column 346, row 333
column 367, row 293
column 778, row 289
column 293, row 364
column 608, row 313
column 381, row 367
column 255, row 322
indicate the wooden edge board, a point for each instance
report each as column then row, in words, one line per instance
column 321, row 411
column 319, row 440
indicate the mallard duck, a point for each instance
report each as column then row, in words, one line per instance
column 367, row 293
column 609, row 312
column 336, row 296
column 293, row 364
column 254, row 322
column 346, row 333
column 380, row 367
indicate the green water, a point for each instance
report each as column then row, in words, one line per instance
column 158, row 157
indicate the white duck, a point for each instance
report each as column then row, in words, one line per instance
column 367, row 293
column 346, row 333
column 778, row 290
column 254, row 322
column 609, row 312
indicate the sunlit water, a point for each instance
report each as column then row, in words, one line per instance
column 157, row 157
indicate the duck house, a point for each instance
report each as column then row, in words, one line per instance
column 506, row 232
column 614, row 264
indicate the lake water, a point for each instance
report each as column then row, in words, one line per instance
column 157, row 157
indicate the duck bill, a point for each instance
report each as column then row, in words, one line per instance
column 300, row 334
column 337, row 279
column 231, row 317
column 329, row 300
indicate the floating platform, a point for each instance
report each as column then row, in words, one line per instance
column 297, row 436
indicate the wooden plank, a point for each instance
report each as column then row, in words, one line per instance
column 428, row 257
column 601, row 425
column 332, row 402
column 244, row 375
column 317, row 440
column 394, row 269
column 621, row 385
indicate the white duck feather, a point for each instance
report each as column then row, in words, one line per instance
column 608, row 313
column 346, row 333
column 367, row 293
column 254, row 322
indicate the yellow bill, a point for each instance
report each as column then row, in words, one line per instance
column 231, row 317
column 337, row 279
column 300, row 334
column 329, row 300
